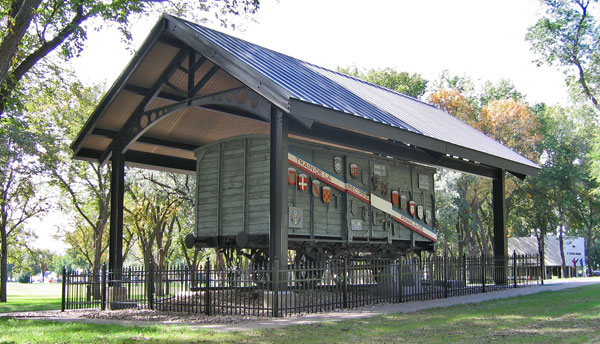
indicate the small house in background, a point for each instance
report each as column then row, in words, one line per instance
column 574, row 250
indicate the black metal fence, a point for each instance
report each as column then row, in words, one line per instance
column 301, row 288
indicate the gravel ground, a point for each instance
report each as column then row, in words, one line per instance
column 135, row 315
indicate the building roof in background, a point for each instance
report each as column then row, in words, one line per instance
column 529, row 246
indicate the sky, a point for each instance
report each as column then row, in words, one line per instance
column 482, row 39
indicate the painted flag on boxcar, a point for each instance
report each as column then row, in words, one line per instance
column 326, row 194
column 412, row 208
column 316, row 188
column 395, row 198
column 292, row 176
column 302, row 182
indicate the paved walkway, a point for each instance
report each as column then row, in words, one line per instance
column 358, row 313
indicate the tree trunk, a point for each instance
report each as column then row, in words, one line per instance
column 460, row 240
column 18, row 24
column 561, row 243
column 96, row 265
column 542, row 249
column 588, row 248
column 3, row 264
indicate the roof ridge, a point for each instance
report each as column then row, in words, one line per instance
column 306, row 62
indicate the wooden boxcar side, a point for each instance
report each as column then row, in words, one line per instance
column 338, row 199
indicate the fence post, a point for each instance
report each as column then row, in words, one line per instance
column 103, row 292
column 64, row 289
column 445, row 275
column 483, row 276
column 515, row 268
column 346, row 275
column 542, row 268
column 464, row 268
column 150, row 282
column 207, row 288
column 275, row 267
column 400, row 281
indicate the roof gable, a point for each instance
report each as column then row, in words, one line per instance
column 309, row 93
column 329, row 89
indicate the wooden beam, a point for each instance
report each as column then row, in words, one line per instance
column 154, row 91
column 142, row 91
column 204, row 79
column 391, row 148
column 149, row 140
column 150, row 160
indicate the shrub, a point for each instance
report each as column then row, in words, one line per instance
column 24, row 278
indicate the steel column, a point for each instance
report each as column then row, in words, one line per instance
column 117, row 191
column 500, row 240
column 278, row 233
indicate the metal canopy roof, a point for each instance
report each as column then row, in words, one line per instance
column 181, row 61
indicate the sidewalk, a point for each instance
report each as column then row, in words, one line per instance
column 357, row 313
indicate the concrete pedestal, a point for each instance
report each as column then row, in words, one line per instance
column 116, row 298
column 286, row 299
column 388, row 282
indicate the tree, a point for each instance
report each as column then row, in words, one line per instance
column 500, row 112
column 69, row 261
column 33, row 29
column 413, row 85
column 151, row 214
column 20, row 176
column 569, row 37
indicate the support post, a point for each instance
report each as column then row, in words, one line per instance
column 400, row 281
column 275, row 295
column 150, row 285
column 117, row 191
column 64, row 289
column 483, row 276
column 445, row 275
column 103, row 281
column 515, row 268
column 500, row 239
column 207, row 288
column 345, row 291
column 278, row 231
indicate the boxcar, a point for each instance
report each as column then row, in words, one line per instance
column 339, row 200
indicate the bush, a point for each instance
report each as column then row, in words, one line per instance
column 24, row 278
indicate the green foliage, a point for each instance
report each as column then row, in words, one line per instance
column 568, row 36
column 33, row 29
column 503, row 89
column 69, row 261
column 24, row 277
column 413, row 85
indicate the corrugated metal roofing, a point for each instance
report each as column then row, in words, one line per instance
column 313, row 84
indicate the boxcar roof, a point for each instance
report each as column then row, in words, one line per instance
column 159, row 74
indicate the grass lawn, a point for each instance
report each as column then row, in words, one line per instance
column 32, row 297
column 569, row 316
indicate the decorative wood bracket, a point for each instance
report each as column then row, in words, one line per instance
column 241, row 99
